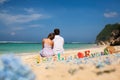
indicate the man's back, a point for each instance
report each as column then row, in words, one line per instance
column 58, row 44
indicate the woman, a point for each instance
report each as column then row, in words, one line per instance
column 47, row 46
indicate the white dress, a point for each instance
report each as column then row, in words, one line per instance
column 47, row 51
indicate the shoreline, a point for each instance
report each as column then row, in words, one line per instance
column 66, row 50
column 35, row 48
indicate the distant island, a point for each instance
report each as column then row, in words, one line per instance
column 110, row 35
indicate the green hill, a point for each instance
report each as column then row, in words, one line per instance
column 105, row 34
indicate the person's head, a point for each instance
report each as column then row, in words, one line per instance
column 57, row 31
column 51, row 36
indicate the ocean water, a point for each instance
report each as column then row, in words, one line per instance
column 6, row 48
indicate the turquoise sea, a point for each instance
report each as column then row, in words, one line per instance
column 6, row 48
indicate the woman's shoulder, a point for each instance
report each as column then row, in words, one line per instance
column 47, row 40
column 44, row 39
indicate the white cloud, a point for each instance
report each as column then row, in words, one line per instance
column 12, row 33
column 4, row 11
column 110, row 14
column 8, row 18
column 17, row 28
column 3, row 1
column 18, row 22
column 29, row 10
column 35, row 25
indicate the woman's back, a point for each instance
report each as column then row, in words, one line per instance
column 47, row 48
column 47, row 45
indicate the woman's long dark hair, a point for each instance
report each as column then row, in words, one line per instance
column 51, row 36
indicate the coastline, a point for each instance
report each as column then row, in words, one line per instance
column 66, row 50
column 19, row 48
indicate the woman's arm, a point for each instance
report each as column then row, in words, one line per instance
column 43, row 43
column 52, row 44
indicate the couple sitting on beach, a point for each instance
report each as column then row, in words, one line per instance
column 52, row 45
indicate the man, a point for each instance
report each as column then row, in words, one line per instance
column 58, row 42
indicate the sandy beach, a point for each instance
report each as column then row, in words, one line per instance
column 70, row 66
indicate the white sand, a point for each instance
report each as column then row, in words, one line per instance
column 60, row 70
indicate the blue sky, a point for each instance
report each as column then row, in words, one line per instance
column 78, row 20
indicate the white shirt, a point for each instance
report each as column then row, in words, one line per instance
column 58, row 44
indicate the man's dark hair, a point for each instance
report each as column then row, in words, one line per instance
column 56, row 31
